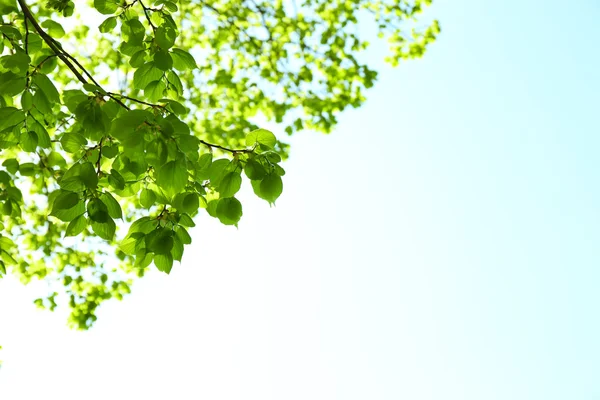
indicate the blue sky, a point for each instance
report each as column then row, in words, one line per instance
column 441, row 244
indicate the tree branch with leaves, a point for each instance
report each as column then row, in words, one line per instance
column 98, row 181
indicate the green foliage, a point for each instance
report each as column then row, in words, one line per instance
column 109, row 152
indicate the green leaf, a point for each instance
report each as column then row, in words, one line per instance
column 88, row 175
column 254, row 170
column 116, row 180
column 27, row 169
column 145, row 74
column 108, row 24
column 163, row 60
column 26, row 100
column 53, row 28
column 172, row 177
column 190, row 203
column 11, row 165
column 17, row 62
column 147, row 198
column 164, row 262
column 159, row 241
column 138, row 59
column 182, row 60
column 175, row 84
column 69, row 214
column 186, row 220
column 28, row 141
column 10, row 116
column 270, row 188
column 261, row 137
column 113, row 206
column 106, row 6
column 155, row 90
column 230, row 184
column 11, row 84
column 72, row 142
column 218, row 169
column 34, row 43
column 165, row 37
column 110, row 151
column 229, row 211
column 97, row 211
column 65, row 200
column 177, row 250
column 106, row 230
column 183, row 235
column 76, row 226
column 47, row 87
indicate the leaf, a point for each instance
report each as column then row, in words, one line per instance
column 271, row 188
column 11, row 165
column 190, row 203
column 175, row 84
column 172, row 177
column 88, row 175
column 76, row 226
column 106, row 6
column 164, row 262
column 27, row 169
column 17, row 62
column 165, row 37
column 69, row 214
column 147, row 198
column 108, row 25
column 218, row 170
column 106, row 230
column 116, row 180
column 261, row 137
column 138, row 59
column 113, row 206
column 97, row 211
column 28, row 141
column 230, row 184
column 26, row 100
column 53, row 28
column 10, row 116
column 254, row 170
column 145, row 74
column 229, row 211
column 182, row 60
column 11, row 84
column 65, row 200
column 159, row 241
column 163, row 60
column 183, row 235
column 155, row 90
column 47, row 87
column 72, row 142
column 177, row 250
column 186, row 220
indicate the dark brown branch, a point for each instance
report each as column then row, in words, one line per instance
column 63, row 55
column 210, row 145
column 147, row 15
column 66, row 58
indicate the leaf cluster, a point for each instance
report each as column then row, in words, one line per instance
column 109, row 151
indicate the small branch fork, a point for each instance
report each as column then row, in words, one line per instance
column 71, row 63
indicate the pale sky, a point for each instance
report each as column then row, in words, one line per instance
column 442, row 243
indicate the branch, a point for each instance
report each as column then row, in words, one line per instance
column 147, row 15
column 50, row 41
column 63, row 55
column 66, row 58
column 210, row 145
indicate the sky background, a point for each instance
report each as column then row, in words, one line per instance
column 442, row 243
